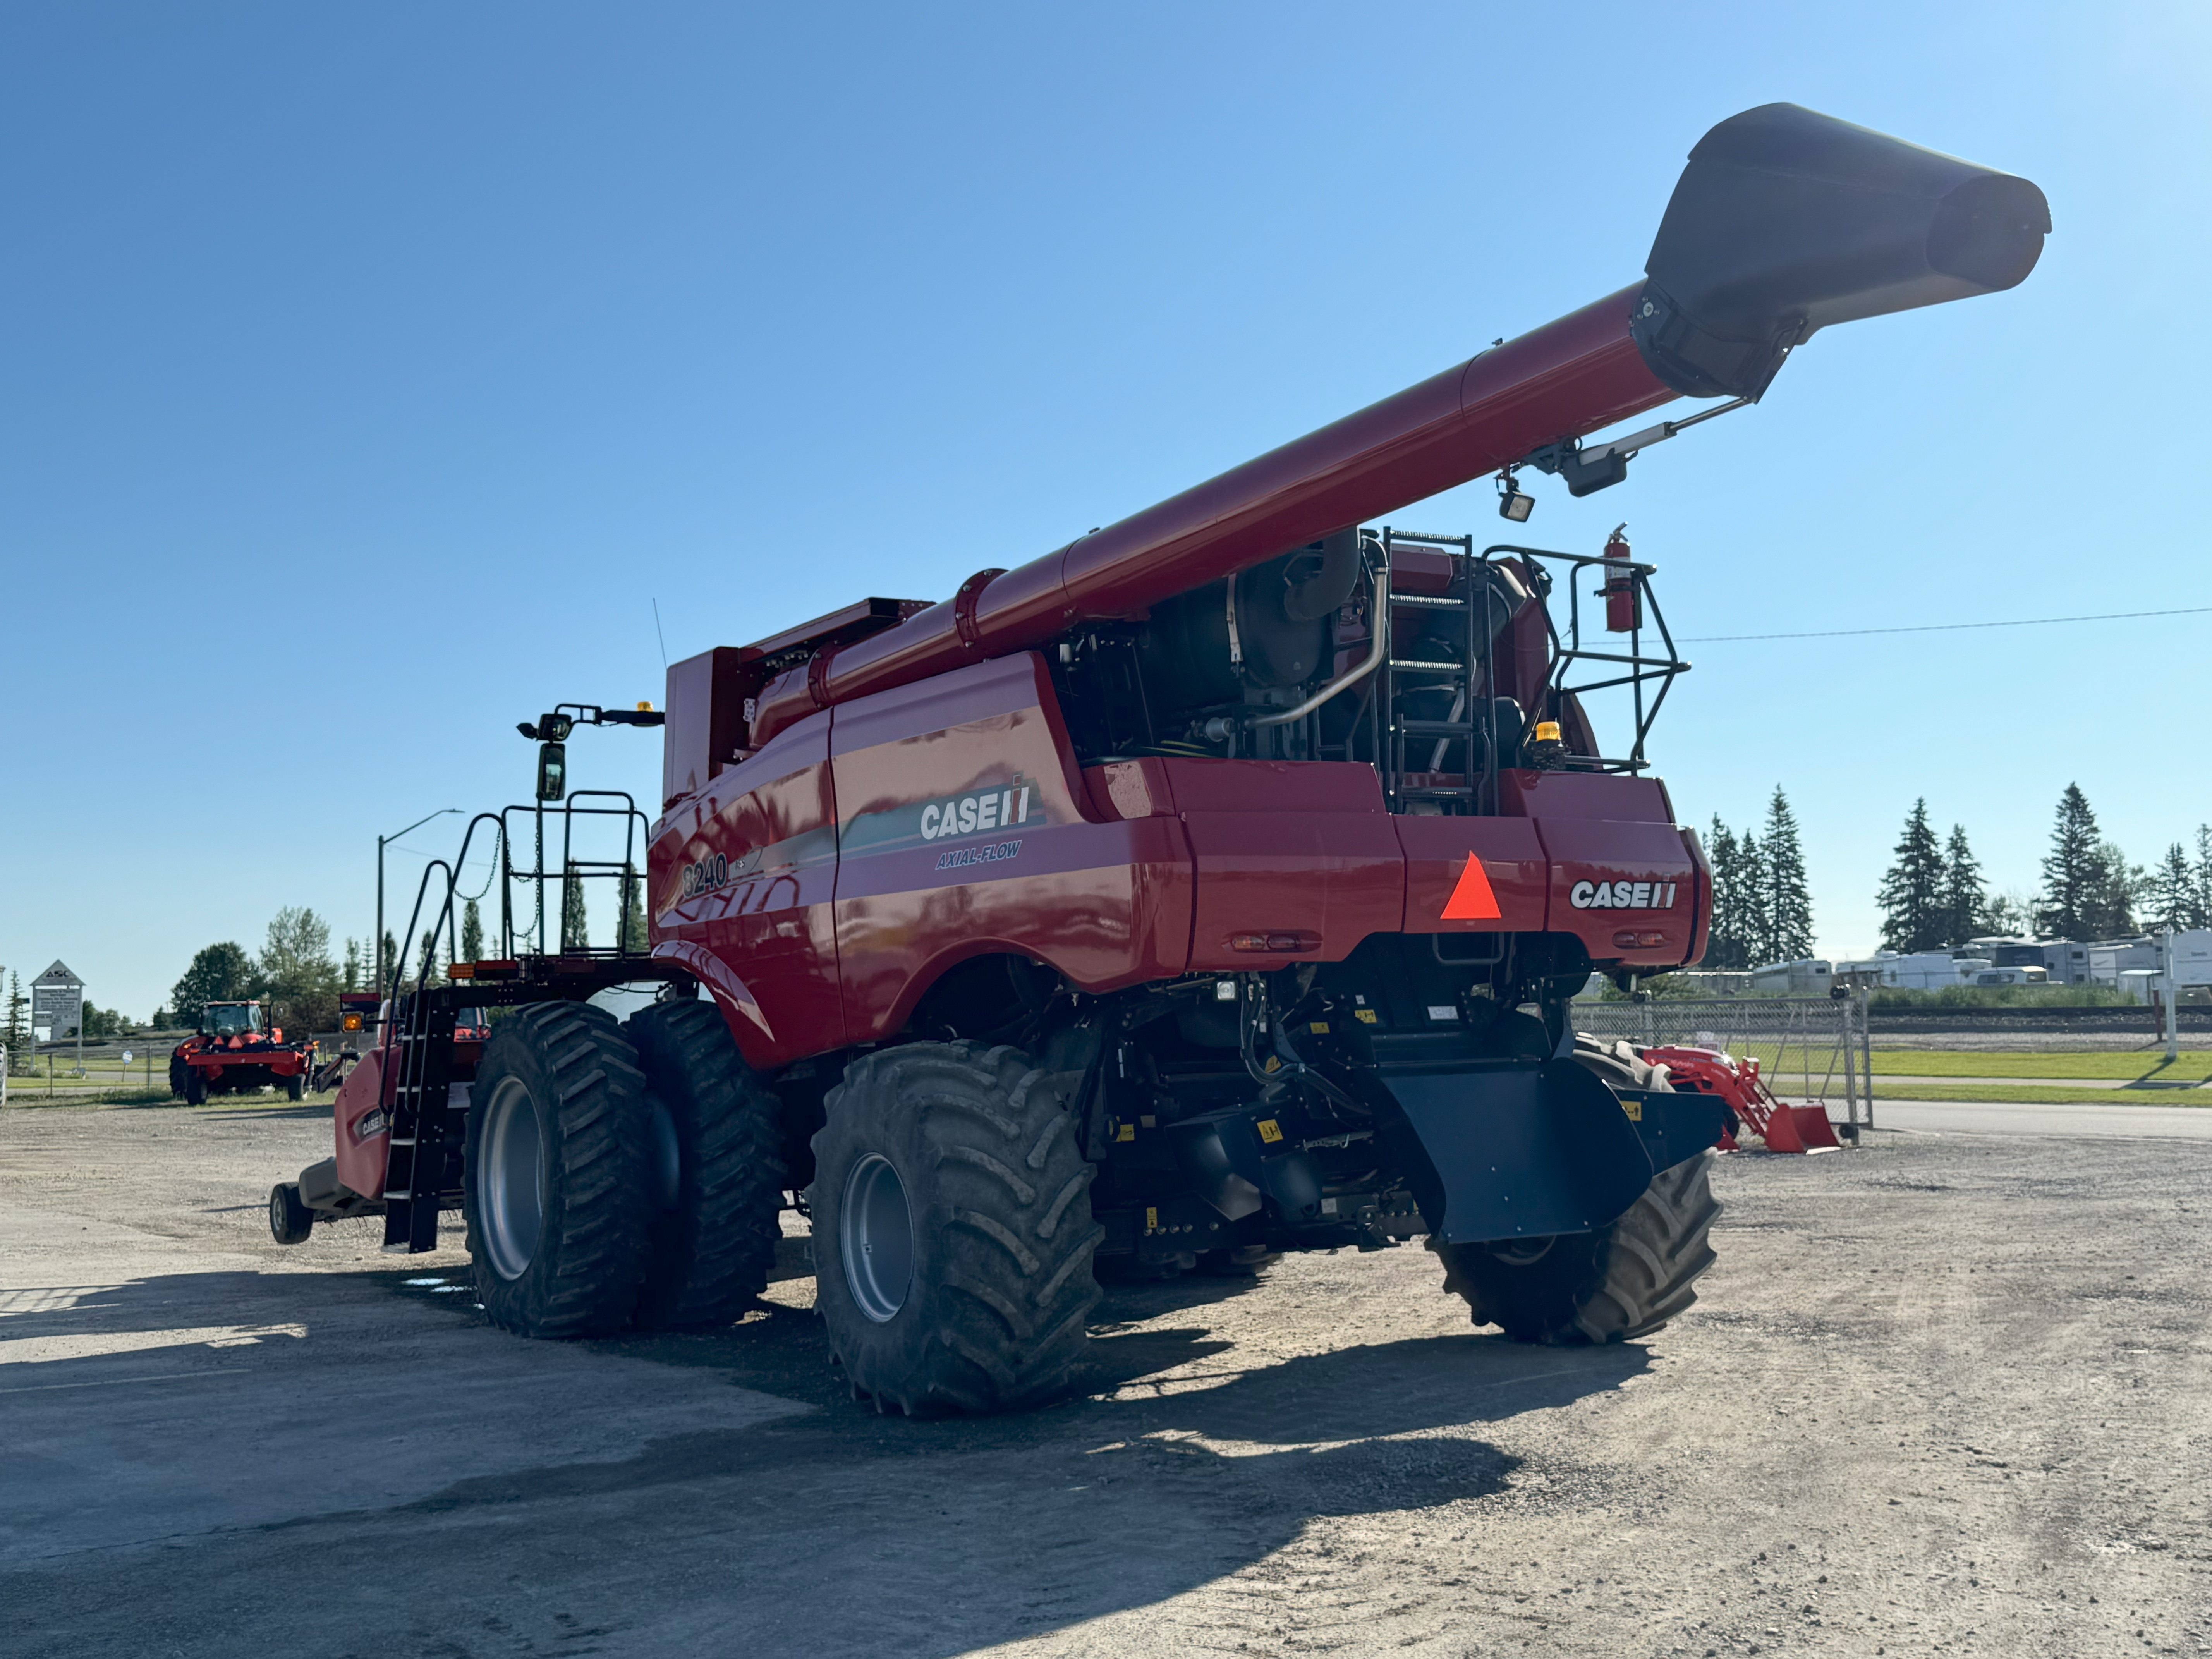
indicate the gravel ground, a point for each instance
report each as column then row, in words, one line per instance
column 1944, row 1396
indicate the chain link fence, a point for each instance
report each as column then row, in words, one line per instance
column 1809, row 1049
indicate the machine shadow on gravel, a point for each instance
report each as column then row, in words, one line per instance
column 1209, row 1465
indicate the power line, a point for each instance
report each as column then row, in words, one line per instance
column 1947, row 628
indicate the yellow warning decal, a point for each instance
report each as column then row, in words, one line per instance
column 1128, row 1132
column 1270, row 1130
column 1634, row 1108
column 1318, row 1027
column 1152, row 1221
column 1366, row 1016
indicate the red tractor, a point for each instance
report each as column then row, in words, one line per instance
column 236, row 1050
column 1212, row 887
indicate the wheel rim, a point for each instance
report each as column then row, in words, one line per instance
column 1523, row 1254
column 875, row 1234
column 511, row 1189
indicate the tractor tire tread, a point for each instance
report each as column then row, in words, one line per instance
column 1626, row 1282
column 600, row 1241
column 713, row 1258
column 1007, row 1216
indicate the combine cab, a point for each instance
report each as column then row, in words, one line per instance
column 1212, row 887
column 234, row 1051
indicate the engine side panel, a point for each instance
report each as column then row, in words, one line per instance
column 1300, row 854
column 966, row 829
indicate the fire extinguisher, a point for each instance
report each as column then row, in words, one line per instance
column 1624, row 595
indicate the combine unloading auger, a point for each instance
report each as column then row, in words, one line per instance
column 1784, row 222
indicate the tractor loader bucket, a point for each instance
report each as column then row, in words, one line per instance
column 1801, row 1129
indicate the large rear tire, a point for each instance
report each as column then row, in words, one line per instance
column 559, row 1195
column 1624, row 1281
column 952, row 1230
column 714, row 1249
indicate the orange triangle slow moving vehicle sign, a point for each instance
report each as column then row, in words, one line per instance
column 1472, row 900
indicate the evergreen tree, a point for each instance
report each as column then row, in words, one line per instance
column 16, row 1029
column 2171, row 890
column 2011, row 913
column 1965, row 894
column 1914, row 899
column 352, row 964
column 575, row 926
column 1755, row 913
column 2076, row 882
column 220, row 973
column 1789, row 917
column 390, row 959
column 2125, row 887
column 473, row 946
column 632, row 932
column 2200, row 898
column 1727, row 948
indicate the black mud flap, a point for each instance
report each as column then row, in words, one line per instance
column 1520, row 1151
column 1675, row 1127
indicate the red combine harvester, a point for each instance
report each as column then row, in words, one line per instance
column 1213, row 887
column 1753, row 1106
column 235, row 1050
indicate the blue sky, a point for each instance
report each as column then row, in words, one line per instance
column 367, row 372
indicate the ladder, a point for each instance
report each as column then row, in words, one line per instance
column 422, row 1166
column 1414, row 750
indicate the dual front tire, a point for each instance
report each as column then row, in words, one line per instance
column 619, row 1177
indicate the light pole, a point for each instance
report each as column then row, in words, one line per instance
column 382, row 842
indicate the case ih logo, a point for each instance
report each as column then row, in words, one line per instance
column 1622, row 895
column 988, row 809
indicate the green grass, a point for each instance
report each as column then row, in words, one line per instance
column 2014, row 1094
column 2193, row 1067
column 22, row 1099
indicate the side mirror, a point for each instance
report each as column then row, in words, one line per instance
column 552, row 771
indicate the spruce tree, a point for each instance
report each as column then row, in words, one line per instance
column 634, row 940
column 2170, row 888
column 1913, row 897
column 1726, row 950
column 472, row 947
column 2075, row 881
column 2200, row 891
column 575, row 926
column 352, row 968
column 1964, row 892
column 1789, row 901
column 1755, row 911
column 17, row 1026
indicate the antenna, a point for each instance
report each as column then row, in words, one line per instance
column 658, row 635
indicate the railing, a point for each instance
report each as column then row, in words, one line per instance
column 1809, row 1049
column 440, row 885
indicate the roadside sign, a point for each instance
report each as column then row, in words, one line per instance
column 57, row 1004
